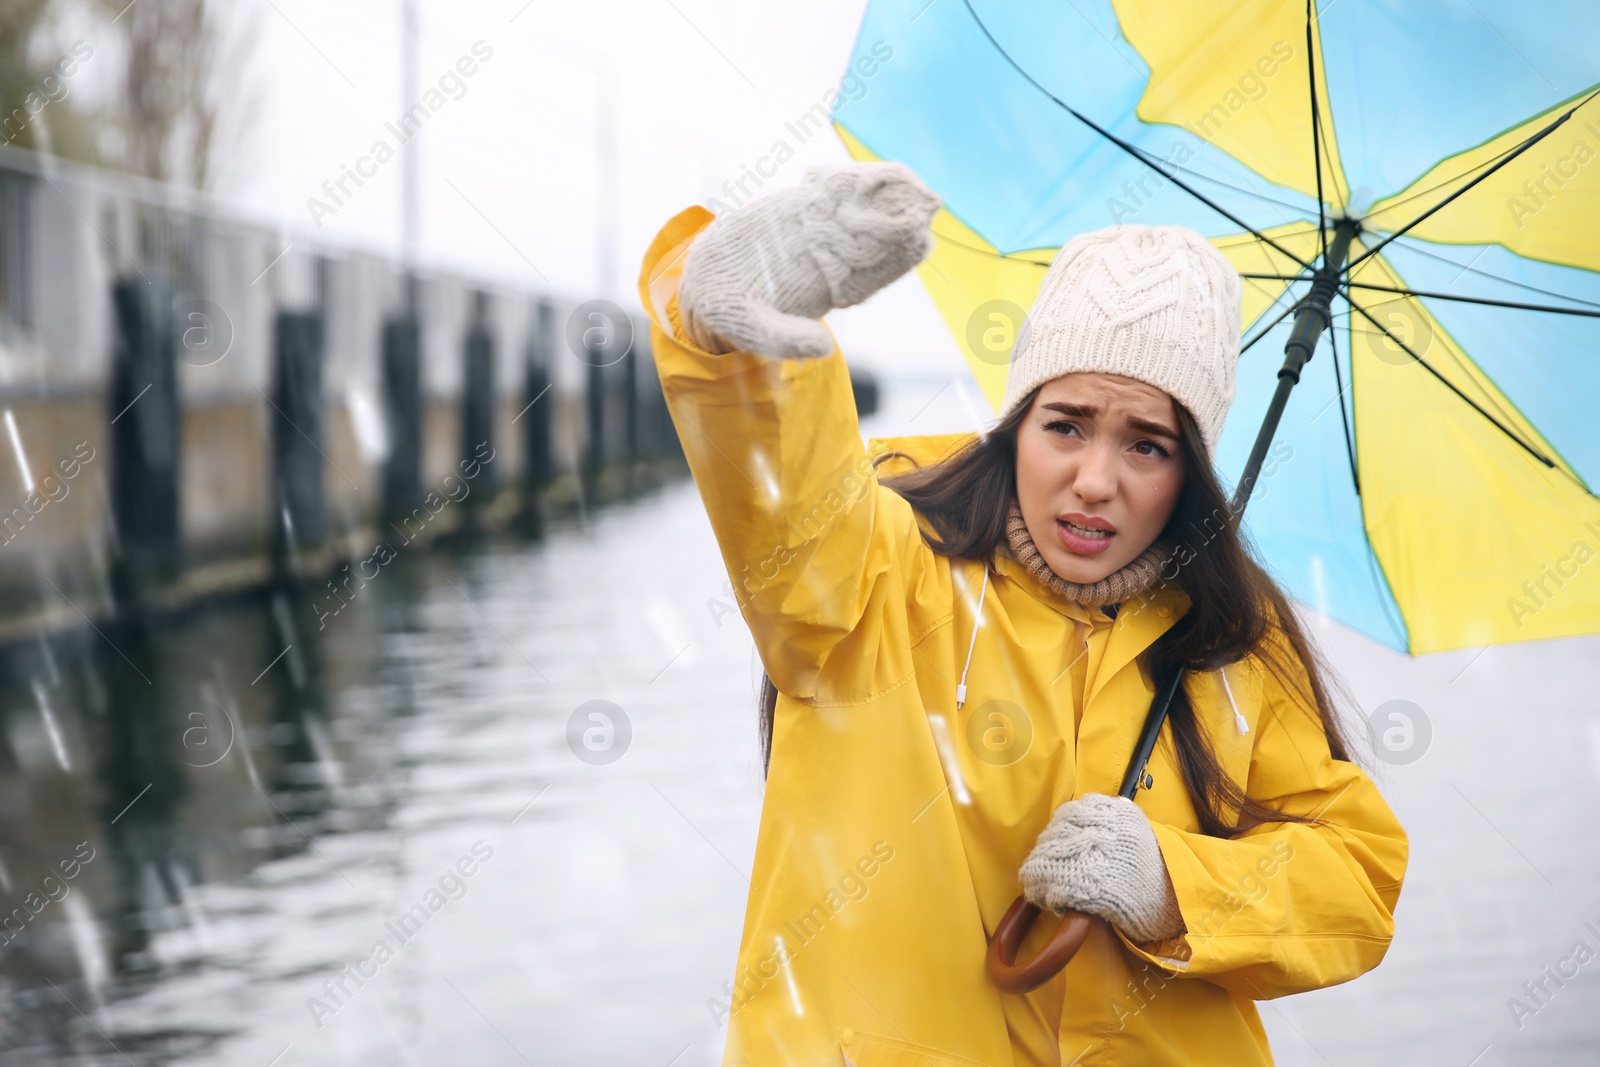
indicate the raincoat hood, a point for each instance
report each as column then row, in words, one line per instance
column 894, row 822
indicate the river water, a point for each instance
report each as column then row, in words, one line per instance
column 500, row 808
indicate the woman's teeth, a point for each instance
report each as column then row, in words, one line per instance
column 1086, row 531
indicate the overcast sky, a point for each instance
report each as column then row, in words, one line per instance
column 511, row 164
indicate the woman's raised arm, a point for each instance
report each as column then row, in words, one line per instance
column 761, row 399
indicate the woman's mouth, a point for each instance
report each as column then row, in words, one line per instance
column 1084, row 540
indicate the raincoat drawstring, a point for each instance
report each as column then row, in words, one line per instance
column 961, row 687
column 1238, row 718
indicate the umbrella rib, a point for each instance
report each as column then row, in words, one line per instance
column 1486, row 301
column 1523, row 147
column 1137, row 153
column 1263, row 197
column 1380, row 578
column 1241, row 190
column 1290, row 310
column 1469, row 269
column 991, row 252
column 1235, row 240
column 1436, row 186
column 1450, row 353
column 1316, row 139
column 1012, row 257
column 1535, row 453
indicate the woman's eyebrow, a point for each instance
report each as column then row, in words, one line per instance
column 1090, row 411
column 1152, row 427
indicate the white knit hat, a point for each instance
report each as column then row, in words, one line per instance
column 1156, row 303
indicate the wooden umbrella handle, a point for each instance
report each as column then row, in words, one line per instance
column 1001, row 961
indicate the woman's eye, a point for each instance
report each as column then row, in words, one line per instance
column 1159, row 451
column 1059, row 426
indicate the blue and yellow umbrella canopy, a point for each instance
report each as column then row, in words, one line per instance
column 1432, row 481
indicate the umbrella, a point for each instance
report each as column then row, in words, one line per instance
column 1419, row 183
column 1424, row 178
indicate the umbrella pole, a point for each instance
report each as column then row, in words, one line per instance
column 1315, row 315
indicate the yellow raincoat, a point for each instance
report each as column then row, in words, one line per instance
column 894, row 824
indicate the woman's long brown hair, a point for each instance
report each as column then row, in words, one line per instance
column 1236, row 609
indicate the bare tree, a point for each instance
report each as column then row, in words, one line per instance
column 180, row 88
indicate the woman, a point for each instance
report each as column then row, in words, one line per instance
column 959, row 634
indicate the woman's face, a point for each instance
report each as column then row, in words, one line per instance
column 1100, row 450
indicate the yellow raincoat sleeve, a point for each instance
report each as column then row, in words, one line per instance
column 1284, row 907
column 817, row 552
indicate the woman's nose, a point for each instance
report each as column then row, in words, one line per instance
column 1099, row 468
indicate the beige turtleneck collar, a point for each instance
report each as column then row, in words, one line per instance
column 1116, row 587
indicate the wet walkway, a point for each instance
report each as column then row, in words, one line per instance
column 264, row 805
column 500, row 809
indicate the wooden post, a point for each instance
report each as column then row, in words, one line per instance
column 299, row 474
column 594, row 458
column 537, row 418
column 402, row 413
column 477, row 404
column 145, row 414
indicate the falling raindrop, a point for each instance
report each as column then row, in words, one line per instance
column 16, row 447
column 1319, row 589
column 46, row 654
column 973, row 417
column 42, row 697
column 327, row 762
column 288, row 535
column 187, row 900
column 372, row 436
column 764, row 473
column 286, row 631
column 250, row 766
column 788, row 976
column 153, row 899
column 100, row 570
column 88, row 944
column 947, row 756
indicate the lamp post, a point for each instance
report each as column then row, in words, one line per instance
column 408, row 155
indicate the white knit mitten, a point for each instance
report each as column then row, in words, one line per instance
column 1099, row 856
column 758, row 279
